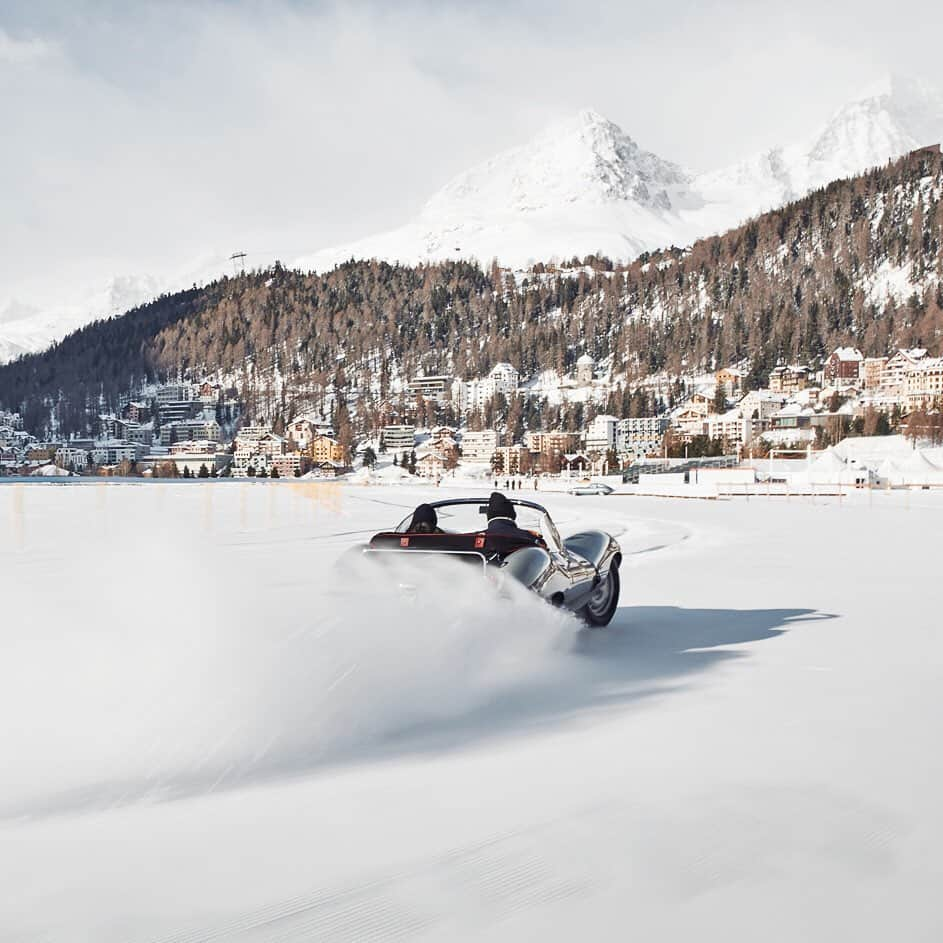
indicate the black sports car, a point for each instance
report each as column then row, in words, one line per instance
column 580, row 573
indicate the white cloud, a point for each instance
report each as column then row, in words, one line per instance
column 23, row 51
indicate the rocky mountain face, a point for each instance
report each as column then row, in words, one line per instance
column 898, row 117
column 585, row 187
column 857, row 262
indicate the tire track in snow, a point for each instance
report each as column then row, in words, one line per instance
column 495, row 878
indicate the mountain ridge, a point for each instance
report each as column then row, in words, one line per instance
column 856, row 263
column 540, row 202
column 580, row 187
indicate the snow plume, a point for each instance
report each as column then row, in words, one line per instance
column 174, row 676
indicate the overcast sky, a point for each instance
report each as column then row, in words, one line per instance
column 148, row 137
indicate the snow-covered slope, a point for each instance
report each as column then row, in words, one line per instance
column 897, row 117
column 584, row 186
column 26, row 329
column 581, row 186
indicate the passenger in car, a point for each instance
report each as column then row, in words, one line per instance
column 425, row 521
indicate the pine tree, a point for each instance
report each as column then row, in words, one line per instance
column 720, row 399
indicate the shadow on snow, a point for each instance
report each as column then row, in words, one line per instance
column 647, row 652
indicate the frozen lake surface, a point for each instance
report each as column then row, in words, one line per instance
column 209, row 735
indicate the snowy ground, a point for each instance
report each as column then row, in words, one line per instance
column 208, row 736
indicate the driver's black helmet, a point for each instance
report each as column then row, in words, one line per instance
column 424, row 520
column 500, row 506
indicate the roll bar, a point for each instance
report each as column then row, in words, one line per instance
column 518, row 501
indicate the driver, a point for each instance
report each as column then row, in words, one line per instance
column 502, row 520
column 425, row 521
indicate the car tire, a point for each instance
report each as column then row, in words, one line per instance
column 602, row 605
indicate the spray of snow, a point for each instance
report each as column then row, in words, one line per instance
column 218, row 686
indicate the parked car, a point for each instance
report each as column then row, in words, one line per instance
column 589, row 487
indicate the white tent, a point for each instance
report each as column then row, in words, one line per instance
column 919, row 470
column 888, row 472
column 829, row 469
column 392, row 473
column 474, row 471
column 872, row 450
column 51, row 471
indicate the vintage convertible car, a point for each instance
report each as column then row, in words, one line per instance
column 580, row 573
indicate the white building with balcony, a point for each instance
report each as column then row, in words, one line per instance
column 924, row 383
column 399, row 439
column 471, row 395
column 71, row 458
column 601, row 434
column 640, row 435
column 480, row 446
column 430, row 387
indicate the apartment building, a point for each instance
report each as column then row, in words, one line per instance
column 114, row 453
column 173, row 393
column 730, row 379
column 552, row 443
column 872, row 372
column 640, row 435
column 474, row 394
column 788, row 379
column 303, row 431
column 291, row 464
column 323, row 448
column 733, row 428
column 430, row 387
column 601, row 434
column 480, row 446
column 511, row 459
column 924, row 383
column 894, row 375
column 843, row 366
column 398, row 439
column 68, row 457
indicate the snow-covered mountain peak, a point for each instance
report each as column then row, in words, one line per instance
column 895, row 116
column 580, row 186
column 583, row 159
column 915, row 104
column 904, row 115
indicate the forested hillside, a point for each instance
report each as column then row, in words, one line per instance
column 857, row 262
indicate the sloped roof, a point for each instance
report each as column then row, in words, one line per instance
column 847, row 353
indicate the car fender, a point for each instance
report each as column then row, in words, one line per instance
column 532, row 567
column 595, row 546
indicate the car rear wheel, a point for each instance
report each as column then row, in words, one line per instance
column 602, row 605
